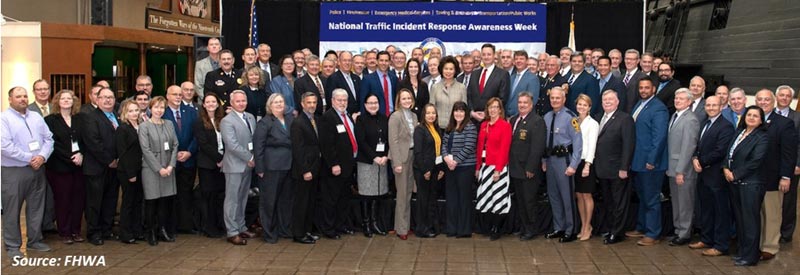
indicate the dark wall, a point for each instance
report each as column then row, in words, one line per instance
column 597, row 25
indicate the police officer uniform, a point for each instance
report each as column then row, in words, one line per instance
column 563, row 149
column 222, row 84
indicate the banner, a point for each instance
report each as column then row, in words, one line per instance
column 456, row 28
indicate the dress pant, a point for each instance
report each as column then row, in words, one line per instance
column 404, row 183
column 746, row 200
column 102, row 192
column 159, row 212
column 771, row 222
column 616, row 203
column 275, row 204
column 715, row 213
column 69, row 190
column 458, row 200
column 186, row 209
column 49, row 218
column 683, row 199
column 303, row 206
column 648, row 188
column 526, row 194
column 789, row 220
column 22, row 184
column 334, row 192
column 236, row 187
column 561, row 192
column 212, row 188
column 426, row 202
column 130, row 214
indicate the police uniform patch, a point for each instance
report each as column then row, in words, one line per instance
column 219, row 83
column 239, row 80
column 576, row 125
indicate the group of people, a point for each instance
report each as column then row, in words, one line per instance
column 305, row 135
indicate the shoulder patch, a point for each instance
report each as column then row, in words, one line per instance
column 576, row 125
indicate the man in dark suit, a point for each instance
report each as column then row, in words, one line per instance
column 785, row 94
column 93, row 93
column 306, row 162
column 99, row 166
column 183, row 117
column 649, row 162
column 264, row 54
column 224, row 80
column 339, row 148
column 581, row 82
column 522, row 80
column 615, row 145
column 467, row 66
column 553, row 79
column 382, row 84
column 631, row 76
column 667, row 86
column 313, row 82
column 777, row 169
column 398, row 65
column 713, row 192
column 343, row 79
column 524, row 165
column 491, row 81
column 697, row 85
column 608, row 81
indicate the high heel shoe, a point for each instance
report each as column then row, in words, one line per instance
column 164, row 236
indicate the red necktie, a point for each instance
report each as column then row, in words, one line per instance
column 483, row 81
column 386, row 94
column 350, row 134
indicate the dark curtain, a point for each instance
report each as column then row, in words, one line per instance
column 597, row 25
column 285, row 26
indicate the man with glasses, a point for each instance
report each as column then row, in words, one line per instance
column 665, row 91
column 144, row 84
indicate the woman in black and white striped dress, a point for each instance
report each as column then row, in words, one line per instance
column 494, row 143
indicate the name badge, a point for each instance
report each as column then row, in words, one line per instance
column 557, row 130
column 340, row 128
column 324, row 102
column 33, row 146
column 439, row 160
column 258, row 118
column 219, row 83
column 250, row 146
column 220, row 147
column 380, row 148
column 166, row 146
column 75, row 147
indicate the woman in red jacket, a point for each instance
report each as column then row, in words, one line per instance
column 494, row 142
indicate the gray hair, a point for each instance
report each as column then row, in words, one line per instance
column 526, row 94
column 312, row 57
column 736, row 90
column 685, row 91
column 785, row 87
column 558, row 60
column 610, row 91
column 307, row 94
column 558, row 88
column 337, row 92
column 632, row 51
column 270, row 100
column 566, row 48
column 237, row 91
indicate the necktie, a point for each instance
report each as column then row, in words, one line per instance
column 430, row 84
column 113, row 120
column 178, row 119
column 350, row 83
column 552, row 130
column 466, row 80
column 314, row 125
column 350, row 134
column 627, row 79
column 674, row 117
column 482, row 83
column 708, row 124
column 319, row 87
column 516, row 82
column 399, row 76
column 386, row 100
column 45, row 110
column 638, row 109
column 572, row 79
column 737, row 120
column 603, row 121
column 247, row 122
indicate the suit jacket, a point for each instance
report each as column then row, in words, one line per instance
column 543, row 105
column 35, row 108
column 337, row 80
column 667, row 94
column 615, row 145
column 87, row 108
column 711, row 151
column 217, row 82
column 129, row 152
column 186, row 140
column 497, row 84
column 208, row 154
column 462, row 75
column 306, row 84
column 404, row 74
column 99, row 144
column 273, row 144
column 528, row 83
column 528, row 143
column 237, row 139
column 633, row 89
column 371, row 84
column 335, row 146
column 399, row 138
column 425, row 150
column 681, row 145
column 700, row 111
column 584, row 84
column 615, row 83
column 201, row 69
column 781, row 155
column 795, row 117
column 422, row 97
column 63, row 136
column 274, row 69
column 651, row 136
column 748, row 157
column 306, row 156
column 730, row 116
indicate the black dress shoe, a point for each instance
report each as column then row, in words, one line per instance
column 554, row 235
column 527, row 237
column 312, row 236
column 189, row 232
column 465, row 236
column 140, row 237
column 346, row 231
column 605, row 234
column 612, row 239
column 96, row 241
column 744, row 263
column 304, row 240
column 568, row 238
column 426, row 235
column 736, row 258
column 110, row 236
column 677, row 241
column 332, row 236
column 785, row 240
column 128, row 241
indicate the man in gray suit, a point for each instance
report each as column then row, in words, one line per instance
column 697, row 86
column 237, row 163
column 205, row 65
column 681, row 143
column 41, row 105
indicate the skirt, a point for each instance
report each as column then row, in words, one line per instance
column 587, row 184
column 493, row 197
column 373, row 179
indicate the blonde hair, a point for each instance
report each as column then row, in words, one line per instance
column 123, row 111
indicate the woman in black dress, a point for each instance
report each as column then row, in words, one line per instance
column 129, row 172
column 372, row 135
column 427, row 170
column 209, row 162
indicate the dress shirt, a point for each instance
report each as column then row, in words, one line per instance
column 603, row 81
column 675, row 117
column 18, row 132
column 389, row 88
column 711, row 121
column 696, row 103
column 434, row 80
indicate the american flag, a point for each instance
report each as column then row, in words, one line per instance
column 253, row 25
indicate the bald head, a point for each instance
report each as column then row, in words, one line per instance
column 697, row 86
